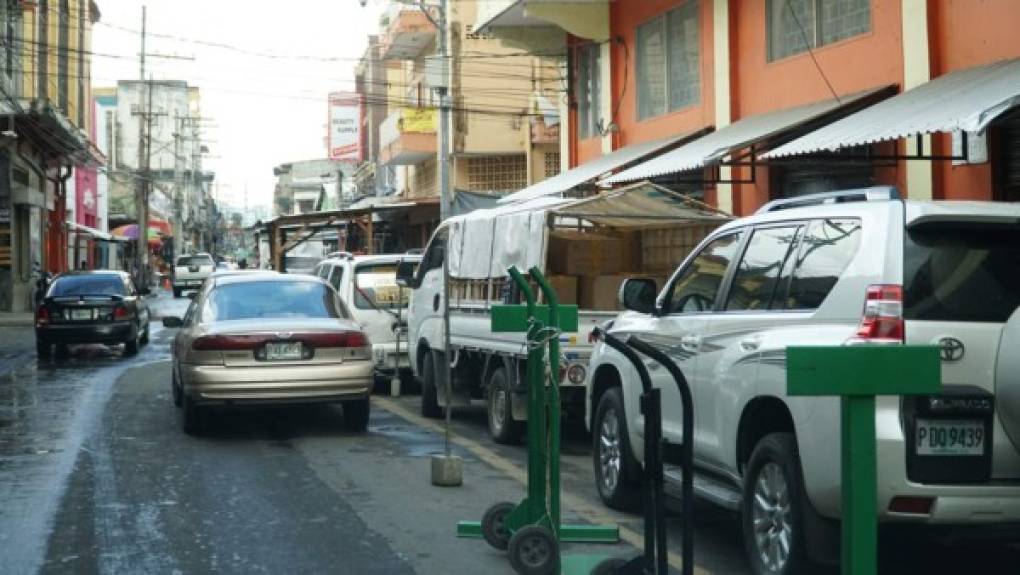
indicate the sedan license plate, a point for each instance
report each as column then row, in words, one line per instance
column 950, row 437
column 81, row 314
column 283, row 350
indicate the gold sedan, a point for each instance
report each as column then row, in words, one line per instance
column 267, row 338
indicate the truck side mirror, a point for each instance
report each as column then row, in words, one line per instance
column 405, row 274
column 638, row 294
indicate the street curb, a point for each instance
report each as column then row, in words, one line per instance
column 17, row 321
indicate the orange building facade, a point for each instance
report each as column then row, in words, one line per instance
column 749, row 57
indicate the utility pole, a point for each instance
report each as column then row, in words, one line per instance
column 444, row 115
column 178, row 228
column 141, row 195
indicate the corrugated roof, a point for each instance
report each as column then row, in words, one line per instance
column 589, row 171
column 736, row 136
column 967, row 100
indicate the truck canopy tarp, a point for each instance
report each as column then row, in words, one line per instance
column 485, row 243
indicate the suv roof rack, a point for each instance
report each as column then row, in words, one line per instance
column 340, row 254
column 875, row 194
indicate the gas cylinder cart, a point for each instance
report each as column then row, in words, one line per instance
column 530, row 531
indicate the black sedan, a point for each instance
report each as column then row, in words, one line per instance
column 92, row 307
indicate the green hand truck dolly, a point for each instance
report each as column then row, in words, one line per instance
column 530, row 531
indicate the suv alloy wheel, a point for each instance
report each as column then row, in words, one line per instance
column 772, row 508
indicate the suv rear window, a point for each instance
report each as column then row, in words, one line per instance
column 961, row 272
column 194, row 261
column 376, row 286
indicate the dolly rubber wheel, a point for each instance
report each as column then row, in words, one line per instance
column 534, row 551
column 494, row 529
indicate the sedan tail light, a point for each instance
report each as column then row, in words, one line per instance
column 42, row 316
column 233, row 342
column 121, row 312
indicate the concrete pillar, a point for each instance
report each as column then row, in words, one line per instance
column 721, row 74
column 916, row 71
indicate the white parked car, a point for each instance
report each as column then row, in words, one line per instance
column 191, row 271
column 847, row 268
column 368, row 285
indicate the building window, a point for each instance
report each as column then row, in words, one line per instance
column 64, row 31
column 10, row 26
column 668, row 60
column 497, row 173
column 42, row 50
column 796, row 25
column 589, row 90
column 552, row 164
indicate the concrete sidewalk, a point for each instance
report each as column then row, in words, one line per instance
column 16, row 319
column 17, row 347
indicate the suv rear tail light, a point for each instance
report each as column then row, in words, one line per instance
column 42, row 316
column 882, row 320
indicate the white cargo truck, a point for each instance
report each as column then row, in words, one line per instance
column 585, row 247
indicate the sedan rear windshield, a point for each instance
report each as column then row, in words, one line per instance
column 92, row 285
column 375, row 286
column 962, row 272
column 272, row 299
column 195, row 261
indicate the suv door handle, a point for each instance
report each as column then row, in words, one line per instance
column 750, row 344
column 690, row 342
column 435, row 303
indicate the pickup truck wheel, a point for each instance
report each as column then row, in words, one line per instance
column 145, row 335
column 499, row 412
column 429, row 393
column 773, row 507
column 617, row 473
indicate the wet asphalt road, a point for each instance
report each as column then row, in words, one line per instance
column 96, row 477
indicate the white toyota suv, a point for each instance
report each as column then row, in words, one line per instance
column 845, row 268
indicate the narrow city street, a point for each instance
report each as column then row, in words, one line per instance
column 97, row 477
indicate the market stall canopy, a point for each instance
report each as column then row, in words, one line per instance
column 485, row 243
column 157, row 229
column 712, row 148
column 966, row 101
column 641, row 205
column 590, row 171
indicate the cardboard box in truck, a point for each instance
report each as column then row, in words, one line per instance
column 589, row 254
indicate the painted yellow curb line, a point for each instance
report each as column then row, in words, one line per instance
column 586, row 510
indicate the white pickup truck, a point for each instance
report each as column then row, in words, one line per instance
column 190, row 271
column 586, row 248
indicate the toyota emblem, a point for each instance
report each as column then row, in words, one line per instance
column 950, row 349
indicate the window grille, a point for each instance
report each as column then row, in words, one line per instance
column 497, row 173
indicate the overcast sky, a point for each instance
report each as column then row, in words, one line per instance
column 264, row 111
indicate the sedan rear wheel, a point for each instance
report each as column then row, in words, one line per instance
column 175, row 387
column 356, row 414
column 192, row 417
column 42, row 348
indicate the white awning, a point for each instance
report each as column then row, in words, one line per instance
column 582, row 18
column 967, row 100
column 590, row 171
column 99, row 235
column 717, row 145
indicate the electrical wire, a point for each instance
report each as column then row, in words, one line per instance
column 807, row 44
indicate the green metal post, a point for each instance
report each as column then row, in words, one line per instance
column 859, row 515
column 535, row 504
column 554, row 395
